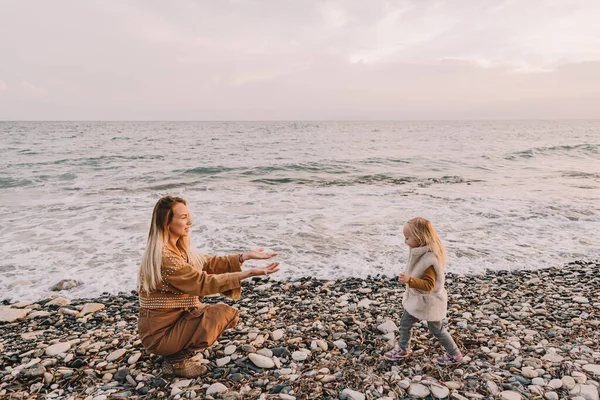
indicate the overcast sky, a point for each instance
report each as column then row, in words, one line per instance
column 299, row 60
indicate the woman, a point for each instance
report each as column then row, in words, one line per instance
column 173, row 279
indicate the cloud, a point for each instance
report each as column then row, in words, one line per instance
column 3, row 86
column 33, row 91
column 313, row 58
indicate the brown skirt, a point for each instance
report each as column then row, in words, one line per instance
column 167, row 331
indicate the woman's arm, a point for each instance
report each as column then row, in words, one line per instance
column 224, row 264
column 188, row 279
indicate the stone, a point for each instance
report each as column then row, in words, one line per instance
column 492, row 388
column 404, row 383
column 261, row 361
column 115, row 355
column 510, row 395
column 134, row 358
column 223, row 361
column 32, row 335
column 588, row 392
column 37, row 314
column 322, row 344
column 229, row 350
column 59, row 301
column 553, row 357
column 551, row 396
column 65, row 284
column 182, row 383
column 453, row 385
column 418, row 390
column 299, row 355
column 352, row 394
column 58, row 348
column 568, row 382
column 33, row 371
column 593, row 369
column 439, row 392
column 277, row 334
column 555, row 384
column 529, row 372
column 90, row 308
column 580, row 299
column 121, row 375
column 8, row 314
column 364, row 303
column 340, row 344
column 387, row 327
column 216, row 388
column 265, row 352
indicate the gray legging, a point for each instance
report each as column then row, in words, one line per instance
column 435, row 327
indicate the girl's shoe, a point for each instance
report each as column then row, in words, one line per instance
column 396, row 355
column 448, row 359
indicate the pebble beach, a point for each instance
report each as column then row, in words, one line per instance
column 527, row 334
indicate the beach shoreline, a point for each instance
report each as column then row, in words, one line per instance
column 525, row 334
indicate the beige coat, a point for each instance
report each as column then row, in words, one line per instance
column 425, row 305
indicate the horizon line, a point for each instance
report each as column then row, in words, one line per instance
column 307, row 120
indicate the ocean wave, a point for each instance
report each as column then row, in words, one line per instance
column 584, row 148
column 13, row 183
column 374, row 179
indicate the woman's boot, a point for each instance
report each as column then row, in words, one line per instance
column 180, row 364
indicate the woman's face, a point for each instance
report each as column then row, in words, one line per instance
column 181, row 222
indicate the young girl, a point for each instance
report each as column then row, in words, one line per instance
column 173, row 279
column 425, row 297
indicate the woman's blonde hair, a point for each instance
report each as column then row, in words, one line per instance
column 425, row 234
column 149, row 275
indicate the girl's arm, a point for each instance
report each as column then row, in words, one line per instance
column 426, row 283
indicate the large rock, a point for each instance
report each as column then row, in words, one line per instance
column 8, row 314
column 65, row 284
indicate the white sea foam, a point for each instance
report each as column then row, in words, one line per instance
column 329, row 198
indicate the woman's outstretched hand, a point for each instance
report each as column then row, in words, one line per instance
column 268, row 270
column 258, row 254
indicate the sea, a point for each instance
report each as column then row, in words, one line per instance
column 330, row 198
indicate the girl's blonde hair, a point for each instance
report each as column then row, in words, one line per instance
column 149, row 276
column 425, row 234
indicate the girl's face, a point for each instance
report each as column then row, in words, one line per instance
column 181, row 222
column 409, row 240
